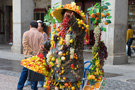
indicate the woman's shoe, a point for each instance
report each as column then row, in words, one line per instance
column 27, row 83
column 39, row 86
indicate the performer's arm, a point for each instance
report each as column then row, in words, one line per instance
column 79, row 30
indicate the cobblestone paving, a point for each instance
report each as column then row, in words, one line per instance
column 118, row 85
column 9, row 80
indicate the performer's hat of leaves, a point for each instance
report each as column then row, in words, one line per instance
column 59, row 12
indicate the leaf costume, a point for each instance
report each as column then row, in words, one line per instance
column 66, row 53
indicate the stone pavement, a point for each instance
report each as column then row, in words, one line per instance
column 9, row 81
column 5, row 52
column 119, row 77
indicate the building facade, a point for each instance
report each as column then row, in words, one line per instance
column 40, row 8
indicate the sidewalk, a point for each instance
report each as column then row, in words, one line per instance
column 119, row 77
column 5, row 53
column 8, row 82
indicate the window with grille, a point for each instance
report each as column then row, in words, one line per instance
column 39, row 13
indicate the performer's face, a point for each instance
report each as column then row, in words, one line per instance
column 68, row 11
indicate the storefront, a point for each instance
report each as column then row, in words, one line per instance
column 131, row 14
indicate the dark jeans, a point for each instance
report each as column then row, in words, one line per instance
column 130, row 40
column 23, row 78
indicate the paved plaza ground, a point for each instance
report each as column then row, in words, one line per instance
column 119, row 77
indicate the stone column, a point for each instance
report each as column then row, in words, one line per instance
column 115, row 37
column 22, row 16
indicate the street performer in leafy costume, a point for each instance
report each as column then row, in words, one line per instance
column 64, row 65
column 66, row 54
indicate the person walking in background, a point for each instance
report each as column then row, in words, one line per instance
column 129, row 39
column 32, row 41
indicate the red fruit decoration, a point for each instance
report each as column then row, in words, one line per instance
column 49, row 66
column 72, row 66
column 40, row 55
column 48, row 87
column 49, row 82
column 33, row 60
column 103, row 71
column 66, row 84
column 65, row 25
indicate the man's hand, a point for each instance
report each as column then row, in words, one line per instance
column 34, row 53
column 68, row 15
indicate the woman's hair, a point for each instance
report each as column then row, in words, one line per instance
column 129, row 26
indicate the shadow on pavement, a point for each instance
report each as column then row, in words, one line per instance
column 10, row 65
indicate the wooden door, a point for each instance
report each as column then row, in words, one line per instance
column 10, row 24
